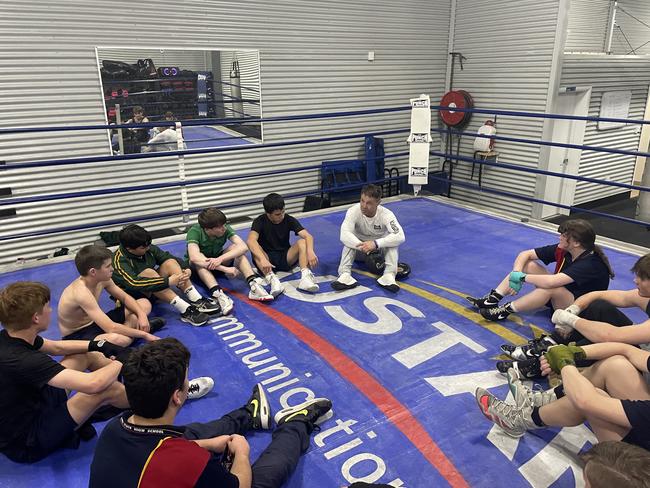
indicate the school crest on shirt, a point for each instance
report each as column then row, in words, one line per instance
column 393, row 226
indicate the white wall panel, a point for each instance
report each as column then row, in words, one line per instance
column 587, row 29
column 608, row 73
column 313, row 59
column 510, row 56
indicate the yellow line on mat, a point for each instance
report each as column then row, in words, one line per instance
column 538, row 331
column 475, row 317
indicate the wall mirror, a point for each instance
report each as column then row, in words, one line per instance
column 218, row 87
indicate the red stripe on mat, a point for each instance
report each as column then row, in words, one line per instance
column 395, row 412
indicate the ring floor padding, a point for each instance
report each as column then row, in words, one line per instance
column 218, row 138
column 400, row 368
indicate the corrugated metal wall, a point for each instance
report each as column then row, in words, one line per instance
column 588, row 24
column 587, row 29
column 185, row 59
column 313, row 59
column 632, row 31
column 608, row 73
column 510, row 56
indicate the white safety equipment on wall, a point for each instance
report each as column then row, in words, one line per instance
column 419, row 141
column 485, row 144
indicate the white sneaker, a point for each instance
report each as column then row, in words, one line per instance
column 258, row 293
column 199, row 387
column 307, row 282
column 225, row 302
column 344, row 282
column 277, row 287
column 387, row 282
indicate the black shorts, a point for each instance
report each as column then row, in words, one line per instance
column 638, row 438
column 91, row 331
column 279, row 260
column 52, row 428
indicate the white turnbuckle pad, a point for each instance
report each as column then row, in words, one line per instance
column 419, row 141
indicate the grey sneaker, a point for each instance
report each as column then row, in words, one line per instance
column 513, row 420
column 523, row 395
column 207, row 305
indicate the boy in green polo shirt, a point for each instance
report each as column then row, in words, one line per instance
column 208, row 251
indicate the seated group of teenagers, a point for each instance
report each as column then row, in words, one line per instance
column 49, row 404
column 593, row 346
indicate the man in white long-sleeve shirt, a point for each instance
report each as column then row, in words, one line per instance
column 369, row 227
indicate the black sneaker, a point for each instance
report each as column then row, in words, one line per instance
column 313, row 412
column 338, row 286
column 207, row 305
column 495, row 313
column 393, row 287
column 526, row 369
column 155, row 324
column 486, row 301
column 534, row 349
column 194, row 317
column 258, row 407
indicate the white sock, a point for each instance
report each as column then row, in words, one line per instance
column 192, row 294
column 304, row 272
column 179, row 304
column 502, row 293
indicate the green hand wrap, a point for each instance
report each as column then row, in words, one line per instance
column 579, row 353
column 560, row 356
column 516, row 280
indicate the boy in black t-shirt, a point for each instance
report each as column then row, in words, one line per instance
column 36, row 415
column 269, row 244
column 580, row 267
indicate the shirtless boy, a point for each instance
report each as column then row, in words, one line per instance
column 81, row 318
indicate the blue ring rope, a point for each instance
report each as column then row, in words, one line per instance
column 331, row 115
column 301, row 194
column 539, row 200
column 154, row 186
column 539, row 171
column 162, row 215
column 538, row 115
column 544, row 143
column 278, row 118
column 126, row 157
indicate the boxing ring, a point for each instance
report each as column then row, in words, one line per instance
column 400, row 369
